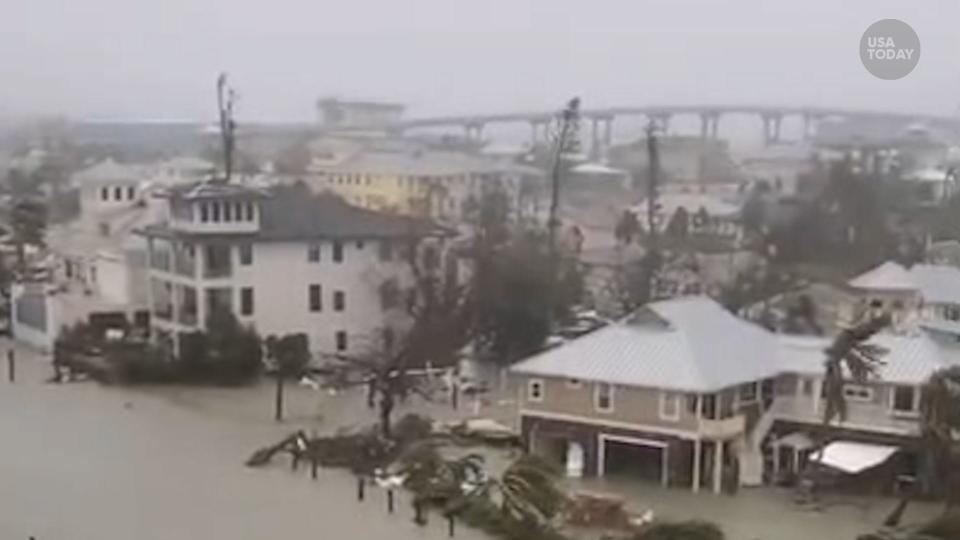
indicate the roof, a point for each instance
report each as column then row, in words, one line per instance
column 889, row 276
column 214, row 190
column 295, row 213
column 597, row 169
column 939, row 284
column 692, row 344
column 109, row 170
column 686, row 344
column 910, row 358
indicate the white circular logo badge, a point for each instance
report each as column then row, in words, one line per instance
column 890, row 49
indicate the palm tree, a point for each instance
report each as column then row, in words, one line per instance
column 528, row 493
column 851, row 350
column 28, row 224
column 439, row 481
column 940, row 423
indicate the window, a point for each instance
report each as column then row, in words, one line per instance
column 337, row 251
column 204, row 213
column 341, row 337
column 215, row 217
column 130, row 192
column 603, row 397
column 316, row 298
column 359, row 244
column 249, row 206
column 246, row 254
column 339, row 300
column 806, row 387
column 386, row 250
column 227, row 212
column 104, row 194
column 951, row 313
column 313, row 253
column 574, row 383
column 535, row 390
column 238, row 211
column 905, row 400
column 246, row 300
column 748, row 392
column 856, row 392
column 117, row 193
column 670, row 406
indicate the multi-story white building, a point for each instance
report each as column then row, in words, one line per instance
column 283, row 260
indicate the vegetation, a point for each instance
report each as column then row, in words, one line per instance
column 28, row 227
column 289, row 356
column 226, row 353
column 851, row 351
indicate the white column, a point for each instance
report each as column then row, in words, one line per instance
column 776, row 460
column 665, row 466
column 718, row 467
column 817, row 390
column 697, row 446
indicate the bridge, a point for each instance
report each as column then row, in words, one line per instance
column 601, row 120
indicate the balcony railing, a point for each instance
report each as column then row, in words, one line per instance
column 725, row 428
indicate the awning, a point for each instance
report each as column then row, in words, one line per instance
column 852, row 457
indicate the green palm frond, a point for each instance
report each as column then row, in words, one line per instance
column 851, row 351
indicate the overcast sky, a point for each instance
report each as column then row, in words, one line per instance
column 160, row 58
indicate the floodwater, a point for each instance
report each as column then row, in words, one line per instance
column 84, row 462
column 81, row 461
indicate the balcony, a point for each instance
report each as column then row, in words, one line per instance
column 723, row 429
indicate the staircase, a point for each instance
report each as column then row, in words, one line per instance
column 751, row 458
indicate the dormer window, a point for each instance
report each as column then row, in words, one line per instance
column 204, row 212
column 215, row 215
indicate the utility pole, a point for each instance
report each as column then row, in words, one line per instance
column 653, row 194
column 225, row 100
column 567, row 139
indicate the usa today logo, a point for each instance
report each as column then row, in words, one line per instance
column 890, row 49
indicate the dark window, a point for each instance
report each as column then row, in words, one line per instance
column 249, row 211
column 313, row 253
column 216, row 212
column 117, row 193
column 316, row 298
column 130, row 192
column 904, row 399
column 337, row 251
column 246, row 301
column 204, row 213
column 104, row 193
column 359, row 244
column 339, row 300
column 386, row 250
column 238, row 211
column 246, row 254
column 341, row 340
column 227, row 212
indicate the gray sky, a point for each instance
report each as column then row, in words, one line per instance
column 159, row 59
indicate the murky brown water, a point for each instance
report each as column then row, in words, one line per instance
column 84, row 462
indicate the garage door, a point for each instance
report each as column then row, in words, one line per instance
column 630, row 457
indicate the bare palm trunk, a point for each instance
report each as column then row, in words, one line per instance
column 278, row 400
column 386, row 412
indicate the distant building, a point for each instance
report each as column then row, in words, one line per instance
column 341, row 115
column 925, row 294
column 283, row 260
column 416, row 181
